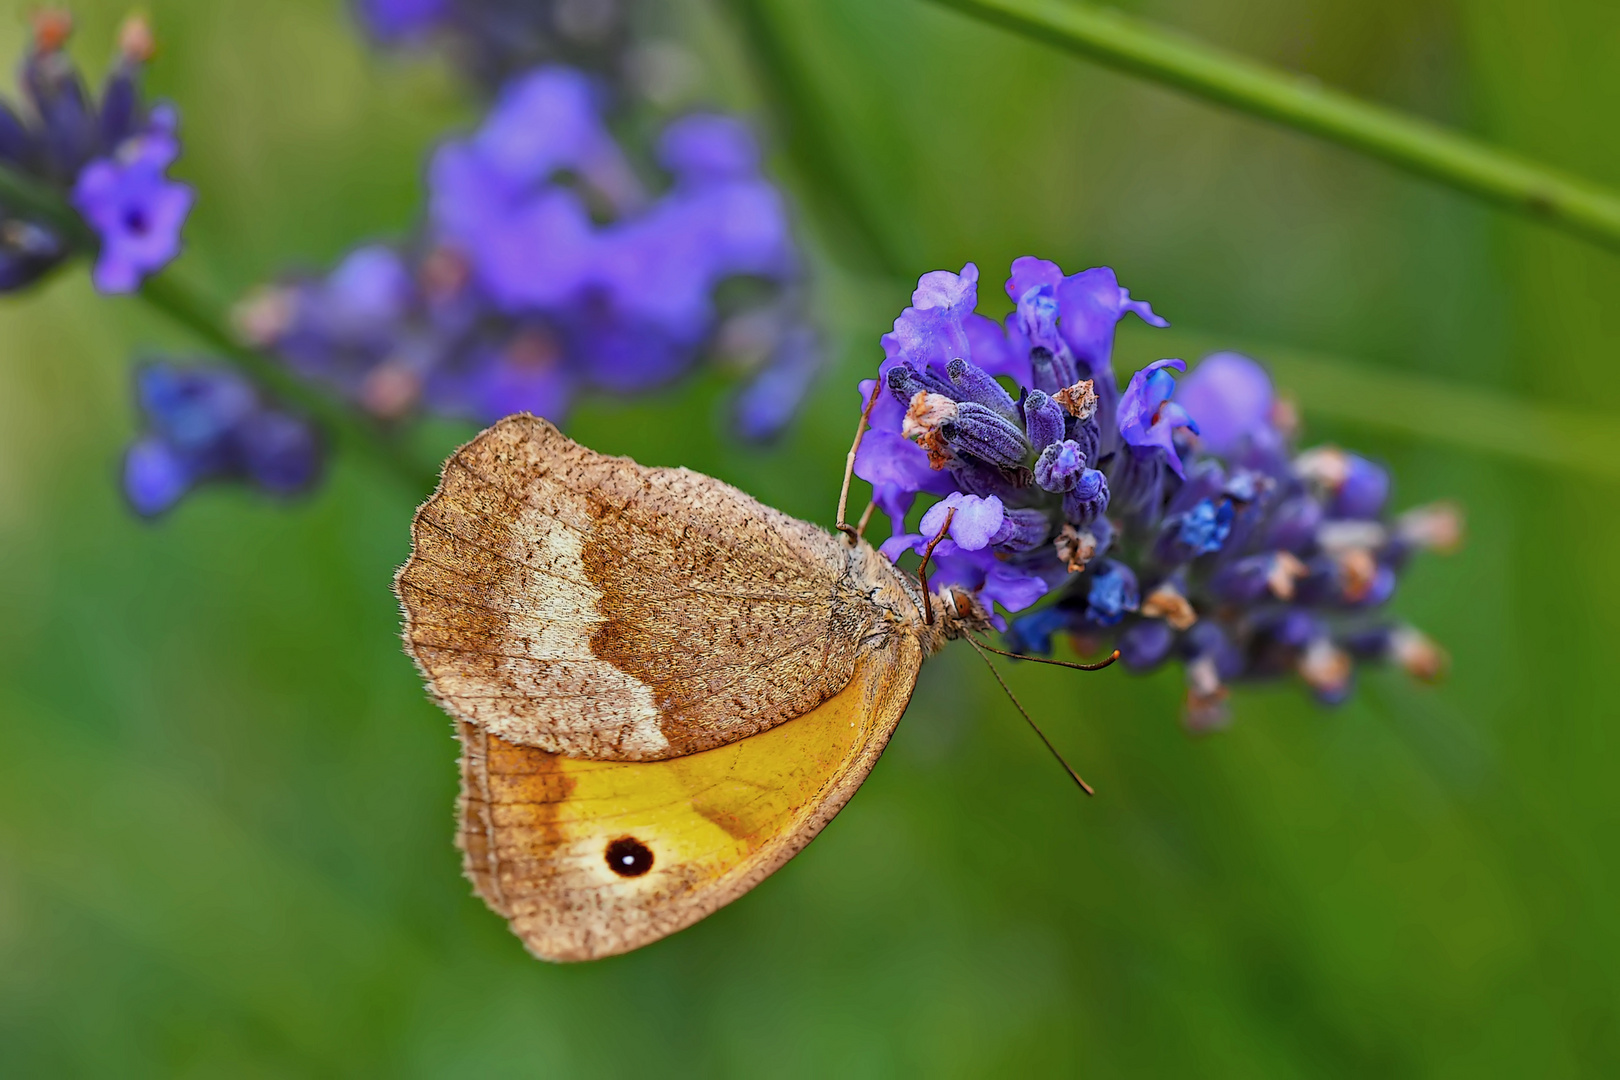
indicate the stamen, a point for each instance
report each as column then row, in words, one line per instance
column 939, row 454
column 1325, row 667
column 1325, row 465
column 1359, row 570
column 1205, row 708
column 1285, row 416
column 52, row 28
column 264, row 315
column 926, row 412
column 136, row 43
column 1418, row 654
column 1338, row 537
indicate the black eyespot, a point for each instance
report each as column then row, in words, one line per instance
column 629, row 857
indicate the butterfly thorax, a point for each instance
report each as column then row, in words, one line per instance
column 897, row 600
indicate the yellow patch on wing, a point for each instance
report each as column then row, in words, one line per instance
column 541, row 833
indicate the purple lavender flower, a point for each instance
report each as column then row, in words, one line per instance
column 1173, row 521
column 530, row 243
column 791, row 360
column 1228, row 398
column 207, row 423
column 134, row 207
column 108, row 160
column 545, row 270
column 1148, row 419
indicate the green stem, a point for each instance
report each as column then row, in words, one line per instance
column 34, row 201
column 207, row 320
column 1108, row 37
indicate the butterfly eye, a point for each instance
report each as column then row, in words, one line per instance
column 629, row 857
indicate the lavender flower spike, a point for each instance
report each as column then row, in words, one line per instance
column 1174, row 521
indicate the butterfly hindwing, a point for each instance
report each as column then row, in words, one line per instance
column 592, row 858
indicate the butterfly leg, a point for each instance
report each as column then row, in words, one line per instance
column 845, row 527
column 866, row 516
column 922, row 567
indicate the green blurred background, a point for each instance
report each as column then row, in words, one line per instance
column 225, row 806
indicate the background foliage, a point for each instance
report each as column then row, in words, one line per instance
column 225, row 806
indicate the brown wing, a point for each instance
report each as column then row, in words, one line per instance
column 591, row 858
column 586, row 605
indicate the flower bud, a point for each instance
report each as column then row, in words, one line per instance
column 975, row 384
column 1021, row 530
column 1086, row 502
column 986, row 434
column 1043, row 420
column 1060, row 466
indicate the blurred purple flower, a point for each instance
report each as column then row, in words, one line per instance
column 134, row 207
column 545, row 271
column 108, row 159
column 205, row 423
column 1228, row 397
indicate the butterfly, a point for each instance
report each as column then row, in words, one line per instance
column 662, row 688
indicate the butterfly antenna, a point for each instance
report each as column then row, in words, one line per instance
column 845, row 527
column 980, row 649
column 1098, row 666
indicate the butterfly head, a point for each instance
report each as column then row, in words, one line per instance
column 959, row 612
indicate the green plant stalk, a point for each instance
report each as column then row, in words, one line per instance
column 1578, row 206
column 29, row 198
column 207, row 320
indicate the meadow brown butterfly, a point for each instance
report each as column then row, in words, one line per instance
column 663, row 689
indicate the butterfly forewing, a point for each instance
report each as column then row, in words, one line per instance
column 584, row 604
